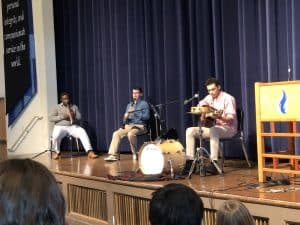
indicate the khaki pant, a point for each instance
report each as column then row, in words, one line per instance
column 131, row 131
column 214, row 134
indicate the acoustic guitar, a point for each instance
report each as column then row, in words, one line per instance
column 208, row 119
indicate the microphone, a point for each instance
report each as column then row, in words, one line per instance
column 196, row 95
column 70, row 114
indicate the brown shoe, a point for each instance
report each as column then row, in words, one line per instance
column 92, row 155
column 56, row 156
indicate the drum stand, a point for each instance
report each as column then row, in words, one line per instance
column 199, row 159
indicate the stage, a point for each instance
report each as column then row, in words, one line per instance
column 92, row 198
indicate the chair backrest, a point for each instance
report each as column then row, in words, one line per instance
column 240, row 119
column 170, row 134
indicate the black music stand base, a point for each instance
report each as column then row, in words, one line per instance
column 199, row 159
column 41, row 153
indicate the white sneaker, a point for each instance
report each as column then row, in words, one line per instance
column 134, row 156
column 111, row 158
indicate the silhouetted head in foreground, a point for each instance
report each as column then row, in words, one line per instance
column 29, row 194
column 233, row 212
column 175, row 204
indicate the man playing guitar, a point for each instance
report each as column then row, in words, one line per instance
column 225, row 123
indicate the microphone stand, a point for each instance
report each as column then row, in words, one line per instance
column 195, row 96
column 159, row 106
column 157, row 117
column 167, row 103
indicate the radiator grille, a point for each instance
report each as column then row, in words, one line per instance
column 87, row 201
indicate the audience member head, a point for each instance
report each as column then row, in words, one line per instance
column 213, row 87
column 29, row 194
column 233, row 212
column 175, row 204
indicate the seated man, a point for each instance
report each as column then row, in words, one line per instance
column 225, row 123
column 175, row 204
column 66, row 117
column 135, row 118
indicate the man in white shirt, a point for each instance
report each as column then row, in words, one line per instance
column 225, row 123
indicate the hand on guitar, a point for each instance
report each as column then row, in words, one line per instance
column 208, row 119
column 217, row 114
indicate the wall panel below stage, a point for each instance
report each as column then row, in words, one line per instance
column 3, row 138
column 87, row 201
column 130, row 209
column 98, row 201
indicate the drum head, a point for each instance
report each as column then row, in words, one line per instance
column 151, row 160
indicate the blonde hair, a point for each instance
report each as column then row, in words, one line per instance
column 233, row 212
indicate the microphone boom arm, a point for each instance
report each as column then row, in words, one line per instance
column 190, row 99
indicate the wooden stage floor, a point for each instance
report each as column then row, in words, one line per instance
column 239, row 182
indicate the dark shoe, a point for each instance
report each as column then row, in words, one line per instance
column 187, row 167
column 211, row 169
column 92, row 155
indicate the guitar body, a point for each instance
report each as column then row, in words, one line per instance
column 207, row 115
column 209, row 119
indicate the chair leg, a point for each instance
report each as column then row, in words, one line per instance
column 221, row 156
column 51, row 147
column 77, row 144
column 150, row 135
column 245, row 152
column 71, row 145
